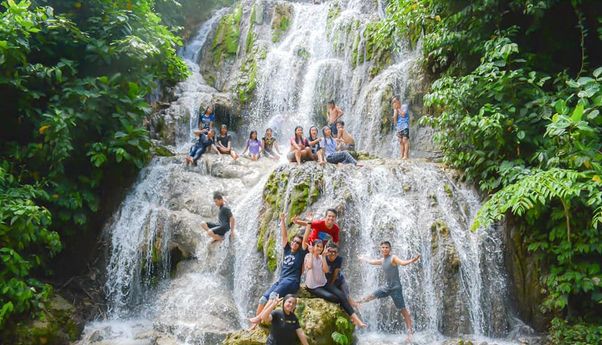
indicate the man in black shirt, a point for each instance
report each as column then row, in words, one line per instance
column 225, row 217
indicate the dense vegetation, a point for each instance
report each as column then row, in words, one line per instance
column 516, row 98
column 73, row 80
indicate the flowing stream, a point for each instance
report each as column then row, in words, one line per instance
column 458, row 287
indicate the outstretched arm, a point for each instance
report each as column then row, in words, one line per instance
column 301, row 336
column 370, row 261
column 266, row 313
column 283, row 231
column 307, row 233
column 398, row 261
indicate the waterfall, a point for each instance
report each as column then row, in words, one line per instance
column 459, row 285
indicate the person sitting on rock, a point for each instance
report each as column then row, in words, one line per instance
column 390, row 264
column 206, row 119
column 317, row 153
column 291, row 268
column 330, row 150
column 300, row 150
column 344, row 140
column 201, row 144
column 315, row 280
column 253, row 145
column 322, row 229
column 269, row 145
column 285, row 328
column 334, row 114
column 224, row 142
column 225, row 217
column 334, row 275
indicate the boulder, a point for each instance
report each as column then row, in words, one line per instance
column 318, row 318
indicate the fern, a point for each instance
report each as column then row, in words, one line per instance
column 537, row 189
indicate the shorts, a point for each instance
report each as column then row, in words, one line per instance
column 268, row 152
column 395, row 293
column 218, row 229
column 403, row 133
column 282, row 288
column 333, row 129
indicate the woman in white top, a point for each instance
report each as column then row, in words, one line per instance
column 315, row 279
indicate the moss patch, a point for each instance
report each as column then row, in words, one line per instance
column 281, row 20
column 225, row 42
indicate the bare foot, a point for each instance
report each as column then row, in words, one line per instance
column 254, row 322
column 361, row 325
column 409, row 338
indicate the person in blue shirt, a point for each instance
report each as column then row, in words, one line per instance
column 333, row 156
column 206, row 119
column 202, row 143
column 290, row 271
column 401, row 119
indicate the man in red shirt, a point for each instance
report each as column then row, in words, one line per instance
column 323, row 229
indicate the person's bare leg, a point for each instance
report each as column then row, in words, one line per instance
column 408, row 320
column 406, row 148
column 233, row 154
column 204, row 226
column 357, row 321
column 255, row 320
column 214, row 236
column 401, row 148
column 298, row 156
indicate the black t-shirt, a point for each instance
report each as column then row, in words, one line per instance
column 333, row 265
column 224, row 140
column 224, row 216
column 284, row 329
column 292, row 263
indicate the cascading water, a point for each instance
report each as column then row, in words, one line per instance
column 458, row 287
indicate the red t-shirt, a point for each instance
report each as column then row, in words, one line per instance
column 319, row 230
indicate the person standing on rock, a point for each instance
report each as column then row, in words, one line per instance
column 225, row 217
column 334, row 114
column 285, row 328
column 323, row 229
column 290, row 271
column 390, row 264
column 401, row 119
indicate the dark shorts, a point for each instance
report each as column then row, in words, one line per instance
column 403, row 133
column 283, row 288
column 218, row 229
column 396, row 294
column 333, row 129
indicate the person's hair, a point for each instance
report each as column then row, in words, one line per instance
column 207, row 109
column 297, row 139
column 222, row 127
column 331, row 102
column 286, row 298
column 310, row 136
column 386, row 243
column 211, row 131
column 332, row 245
column 268, row 130
column 333, row 211
column 316, row 242
column 218, row 196
column 299, row 236
column 342, row 123
column 251, row 134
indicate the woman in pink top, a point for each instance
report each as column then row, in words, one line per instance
column 300, row 149
column 316, row 268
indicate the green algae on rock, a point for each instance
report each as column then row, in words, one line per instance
column 281, row 20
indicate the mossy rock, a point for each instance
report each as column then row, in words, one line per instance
column 54, row 325
column 318, row 318
column 162, row 151
column 226, row 40
column 281, row 20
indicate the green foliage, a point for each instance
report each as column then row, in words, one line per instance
column 73, row 81
column 26, row 240
column 515, row 111
column 281, row 21
column 344, row 333
column 577, row 334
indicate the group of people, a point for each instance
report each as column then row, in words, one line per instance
column 333, row 146
column 314, row 255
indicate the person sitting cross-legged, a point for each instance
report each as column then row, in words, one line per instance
column 330, row 150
